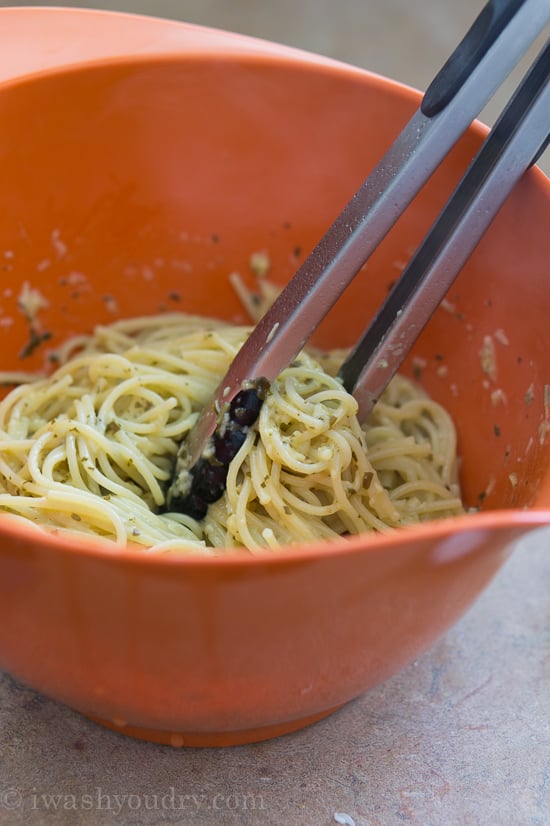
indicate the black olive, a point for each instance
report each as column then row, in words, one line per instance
column 245, row 407
column 209, row 475
column 192, row 505
column 227, row 446
column 208, row 480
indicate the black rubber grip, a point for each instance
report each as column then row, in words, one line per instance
column 489, row 24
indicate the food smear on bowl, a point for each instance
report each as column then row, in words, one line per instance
column 91, row 447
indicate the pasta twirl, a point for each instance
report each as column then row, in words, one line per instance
column 91, row 448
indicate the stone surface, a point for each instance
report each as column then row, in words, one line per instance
column 462, row 736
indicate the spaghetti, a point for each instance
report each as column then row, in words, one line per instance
column 91, row 448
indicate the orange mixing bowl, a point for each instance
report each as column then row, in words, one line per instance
column 142, row 161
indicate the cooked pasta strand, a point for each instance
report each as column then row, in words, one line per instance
column 90, row 449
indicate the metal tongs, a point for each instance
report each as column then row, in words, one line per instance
column 497, row 40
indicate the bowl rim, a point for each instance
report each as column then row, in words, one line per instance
column 147, row 39
column 433, row 532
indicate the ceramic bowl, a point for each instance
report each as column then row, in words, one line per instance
column 142, row 162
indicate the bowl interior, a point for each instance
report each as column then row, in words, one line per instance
column 138, row 186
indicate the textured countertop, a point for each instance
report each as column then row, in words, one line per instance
column 462, row 736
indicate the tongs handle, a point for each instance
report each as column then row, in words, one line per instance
column 490, row 23
column 519, row 136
